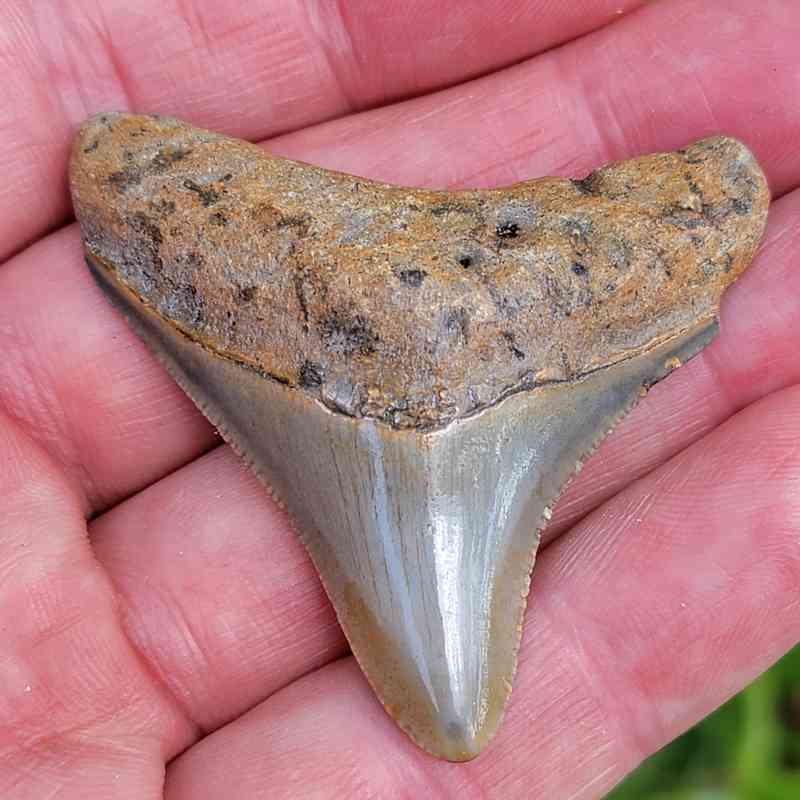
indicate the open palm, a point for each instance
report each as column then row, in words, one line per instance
column 162, row 632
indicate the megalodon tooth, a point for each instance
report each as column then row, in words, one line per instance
column 416, row 374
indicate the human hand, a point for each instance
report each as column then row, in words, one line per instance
column 187, row 627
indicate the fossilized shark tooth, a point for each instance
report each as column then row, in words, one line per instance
column 415, row 373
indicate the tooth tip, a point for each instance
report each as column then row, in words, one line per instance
column 450, row 707
column 459, row 744
column 454, row 736
column 458, row 731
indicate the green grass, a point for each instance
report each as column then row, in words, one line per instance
column 747, row 750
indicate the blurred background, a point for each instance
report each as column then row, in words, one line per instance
column 747, row 750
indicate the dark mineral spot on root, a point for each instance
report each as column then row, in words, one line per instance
column 164, row 159
column 163, row 208
column 412, row 277
column 580, row 269
column 728, row 262
column 507, row 230
column 694, row 188
column 311, row 375
column 133, row 175
column 589, row 186
column 194, row 259
column 348, row 334
column 123, row 179
column 149, row 236
column 187, row 305
column 684, row 218
column 689, row 158
column 297, row 223
column 207, row 194
column 451, row 208
column 513, row 349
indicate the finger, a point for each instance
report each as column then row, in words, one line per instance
column 234, row 543
column 671, row 73
column 79, row 714
column 646, row 617
column 249, row 69
column 231, row 609
column 765, row 47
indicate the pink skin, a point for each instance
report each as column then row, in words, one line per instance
column 189, row 621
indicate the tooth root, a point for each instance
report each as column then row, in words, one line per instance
column 424, row 540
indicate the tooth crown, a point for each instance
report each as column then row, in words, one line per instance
column 413, row 307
